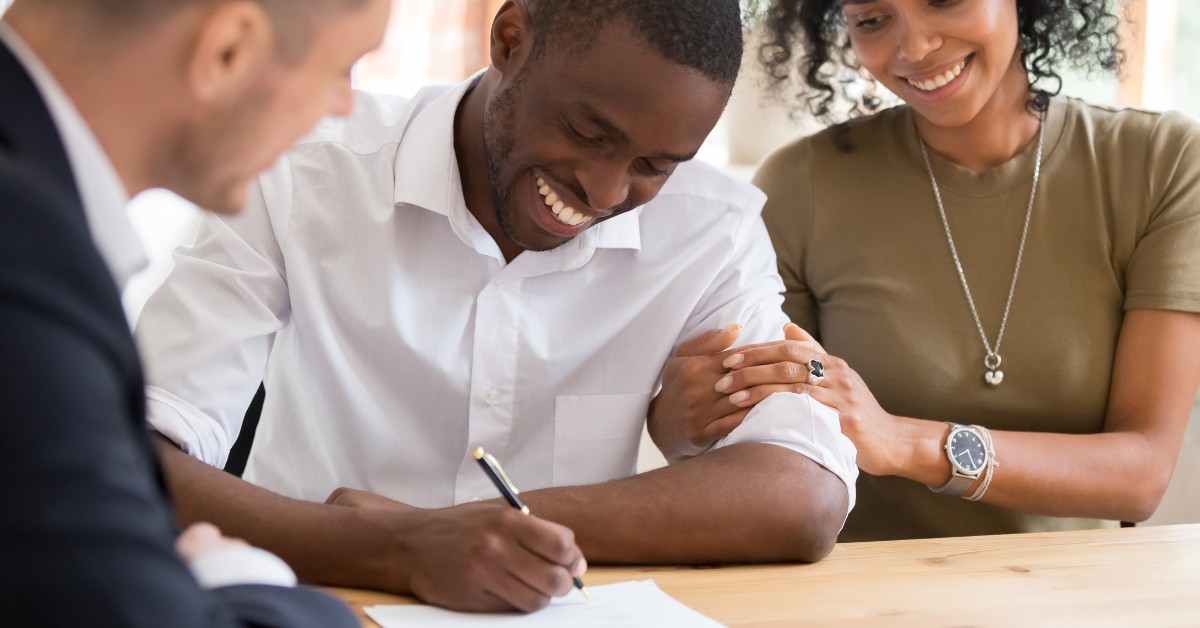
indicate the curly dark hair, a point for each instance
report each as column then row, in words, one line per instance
column 812, row 34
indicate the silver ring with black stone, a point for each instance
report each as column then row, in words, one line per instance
column 816, row 372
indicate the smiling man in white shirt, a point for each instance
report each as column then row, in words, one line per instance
column 505, row 263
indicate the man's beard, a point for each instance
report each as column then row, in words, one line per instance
column 499, row 118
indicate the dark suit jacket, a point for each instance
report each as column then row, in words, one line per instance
column 86, row 531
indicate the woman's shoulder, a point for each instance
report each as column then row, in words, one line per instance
column 1161, row 150
column 1160, row 130
column 862, row 139
column 853, row 136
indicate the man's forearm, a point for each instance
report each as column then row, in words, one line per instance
column 322, row 543
column 743, row 503
column 474, row 557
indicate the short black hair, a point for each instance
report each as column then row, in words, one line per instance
column 811, row 36
column 705, row 35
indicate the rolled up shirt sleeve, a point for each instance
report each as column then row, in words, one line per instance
column 805, row 426
column 206, row 332
column 193, row 431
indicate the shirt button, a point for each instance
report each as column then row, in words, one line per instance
column 492, row 396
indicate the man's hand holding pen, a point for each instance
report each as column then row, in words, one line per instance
column 491, row 467
column 482, row 556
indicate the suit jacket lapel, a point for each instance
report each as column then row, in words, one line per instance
column 27, row 132
column 29, row 136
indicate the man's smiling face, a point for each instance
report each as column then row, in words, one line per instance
column 578, row 136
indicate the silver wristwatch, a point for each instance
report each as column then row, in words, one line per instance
column 968, row 452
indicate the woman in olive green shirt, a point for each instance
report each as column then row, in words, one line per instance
column 985, row 255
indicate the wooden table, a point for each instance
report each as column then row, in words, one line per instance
column 1120, row 577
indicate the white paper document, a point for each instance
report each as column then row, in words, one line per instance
column 623, row 605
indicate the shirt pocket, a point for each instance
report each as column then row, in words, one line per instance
column 596, row 437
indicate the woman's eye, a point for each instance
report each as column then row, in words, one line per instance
column 869, row 23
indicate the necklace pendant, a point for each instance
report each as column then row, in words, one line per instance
column 993, row 375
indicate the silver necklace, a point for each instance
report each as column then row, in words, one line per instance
column 991, row 361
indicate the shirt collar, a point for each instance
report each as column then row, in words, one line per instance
column 622, row 232
column 427, row 175
column 103, row 195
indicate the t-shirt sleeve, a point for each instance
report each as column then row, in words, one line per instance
column 785, row 178
column 1164, row 272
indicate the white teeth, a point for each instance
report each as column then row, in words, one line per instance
column 564, row 214
column 939, row 81
column 571, row 217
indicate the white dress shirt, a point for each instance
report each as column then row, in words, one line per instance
column 393, row 338
column 104, row 199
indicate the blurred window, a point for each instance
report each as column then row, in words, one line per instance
column 1186, row 77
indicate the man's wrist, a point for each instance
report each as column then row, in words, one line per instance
column 361, row 548
column 402, row 545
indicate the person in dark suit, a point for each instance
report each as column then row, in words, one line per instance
column 98, row 101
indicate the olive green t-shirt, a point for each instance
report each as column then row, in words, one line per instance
column 862, row 250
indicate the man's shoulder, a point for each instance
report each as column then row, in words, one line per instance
column 376, row 121
column 48, row 262
column 700, row 184
column 34, row 207
column 700, row 207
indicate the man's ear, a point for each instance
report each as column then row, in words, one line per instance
column 512, row 37
column 233, row 38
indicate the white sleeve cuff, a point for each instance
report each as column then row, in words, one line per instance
column 241, row 565
column 193, row 431
column 805, row 426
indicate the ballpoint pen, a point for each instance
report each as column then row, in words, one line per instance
column 492, row 468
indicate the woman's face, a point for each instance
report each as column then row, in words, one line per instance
column 946, row 58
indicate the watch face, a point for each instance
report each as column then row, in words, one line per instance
column 967, row 451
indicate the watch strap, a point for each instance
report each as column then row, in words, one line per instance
column 957, row 485
column 992, row 463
